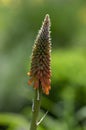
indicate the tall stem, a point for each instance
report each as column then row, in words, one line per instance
column 36, row 108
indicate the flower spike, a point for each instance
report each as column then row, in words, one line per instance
column 40, row 71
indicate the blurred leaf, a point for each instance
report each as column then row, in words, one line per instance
column 14, row 121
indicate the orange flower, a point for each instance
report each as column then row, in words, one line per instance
column 40, row 71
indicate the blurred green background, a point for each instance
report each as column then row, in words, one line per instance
column 20, row 21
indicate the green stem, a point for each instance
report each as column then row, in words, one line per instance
column 36, row 108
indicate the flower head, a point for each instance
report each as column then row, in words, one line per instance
column 40, row 71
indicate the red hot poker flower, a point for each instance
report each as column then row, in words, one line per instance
column 40, row 71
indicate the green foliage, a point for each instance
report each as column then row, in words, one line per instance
column 13, row 121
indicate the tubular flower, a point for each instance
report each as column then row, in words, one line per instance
column 40, row 71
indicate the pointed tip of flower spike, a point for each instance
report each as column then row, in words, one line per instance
column 47, row 16
column 47, row 19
